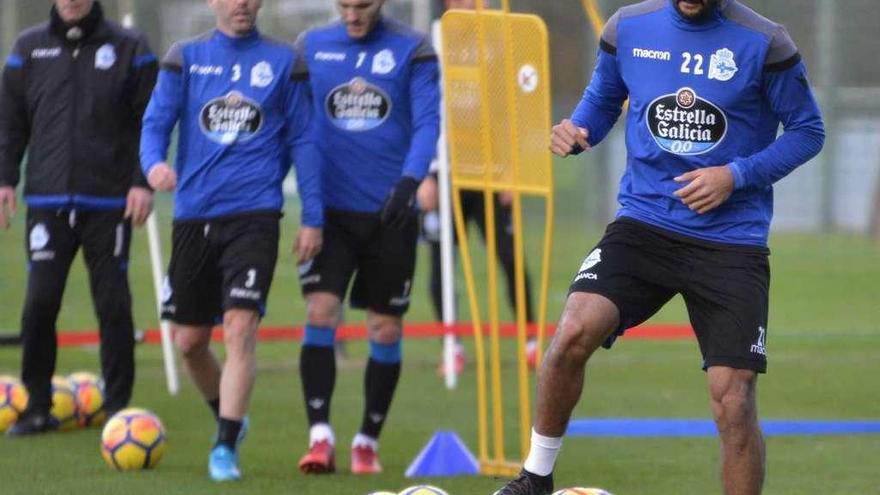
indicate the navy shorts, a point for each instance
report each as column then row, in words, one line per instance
column 220, row 264
column 725, row 288
column 381, row 259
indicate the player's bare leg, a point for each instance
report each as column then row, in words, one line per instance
column 236, row 384
column 318, row 375
column 194, row 344
column 734, row 407
column 380, row 382
column 587, row 320
column 240, row 369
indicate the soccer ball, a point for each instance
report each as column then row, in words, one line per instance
column 581, row 491
column 423, row 490
column 89, row 392
column 133, row 439
column 64, row 407
column 13, row 400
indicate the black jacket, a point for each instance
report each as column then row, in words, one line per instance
column 74, row 96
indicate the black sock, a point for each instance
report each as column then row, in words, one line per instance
column 227, row 432
column 215, row 407
column 317, row 369
column 380, row 381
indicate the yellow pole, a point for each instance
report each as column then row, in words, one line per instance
column 467, row 266
column 550, row 199
column 492, row 276
column 519, row 271
column 594, row 15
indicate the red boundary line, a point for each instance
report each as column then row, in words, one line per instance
column 416, row 330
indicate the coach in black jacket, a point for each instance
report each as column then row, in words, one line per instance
column 73, row 92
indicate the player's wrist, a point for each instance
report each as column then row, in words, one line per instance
column 739, row 179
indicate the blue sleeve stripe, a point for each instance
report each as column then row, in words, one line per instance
column 144, row 60
column 14, row 61
column 74, row 201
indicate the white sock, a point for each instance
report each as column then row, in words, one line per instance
column 319, row 432
column 361, row 440
column 542, row 455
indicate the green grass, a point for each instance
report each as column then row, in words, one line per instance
column 824, row 349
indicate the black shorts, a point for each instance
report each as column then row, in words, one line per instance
column 383, row 258
column 725, row 288
column 220, row 264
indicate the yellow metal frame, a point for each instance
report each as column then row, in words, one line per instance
column 497, row 463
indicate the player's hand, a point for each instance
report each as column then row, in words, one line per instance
column 7, row 205
column 568, row 138
column 308, row 243
column 162, row 177
column 427, row 194
column 138, row 205
column 398, row 210
column 707, row 189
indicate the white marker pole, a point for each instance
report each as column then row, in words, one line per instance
column 447, row 262
column 155, row 243
column 156, row 264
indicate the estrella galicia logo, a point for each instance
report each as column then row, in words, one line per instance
column 357, row 105
column 231, row 118
column 685, row 124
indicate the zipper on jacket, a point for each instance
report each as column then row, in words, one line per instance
column 74, row 117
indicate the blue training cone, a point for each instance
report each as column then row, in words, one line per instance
column 444, row 455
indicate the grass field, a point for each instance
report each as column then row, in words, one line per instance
column 824, row 350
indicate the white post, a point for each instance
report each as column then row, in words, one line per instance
column 155, row 243
column 447, row 261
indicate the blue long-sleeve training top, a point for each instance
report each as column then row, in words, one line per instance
column 244, row 108
column 702, row 94
column 376, row 109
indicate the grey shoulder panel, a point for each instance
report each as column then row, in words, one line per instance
column 173, row 60
column 642, row 8
column 782, row 49
column 609, row 34
column 300, row 43
column 424, row 50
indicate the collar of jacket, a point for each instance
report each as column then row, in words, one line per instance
column 79, row 30
column 708, row 22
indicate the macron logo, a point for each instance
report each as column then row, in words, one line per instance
column 652, row 54
column 206, row 70
column 330, row 57
column 46, row 52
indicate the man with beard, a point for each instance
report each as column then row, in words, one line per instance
column 73, row 93
column 709, row 82
column 243, row 104
column 376, row 91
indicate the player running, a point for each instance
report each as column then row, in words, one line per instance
column 376, row 91
column 709, row 82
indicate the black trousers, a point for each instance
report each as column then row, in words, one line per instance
column 53, row 238
column 473, row 210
